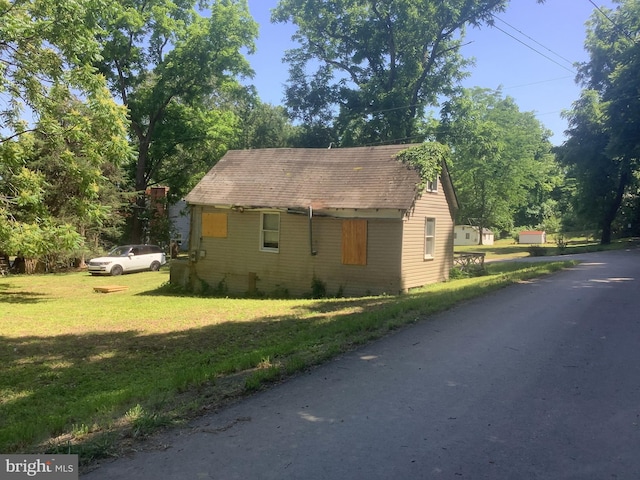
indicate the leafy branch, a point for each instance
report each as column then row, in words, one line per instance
column 427, row 159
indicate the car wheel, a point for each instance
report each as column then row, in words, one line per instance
column 116, row 270
column 155, row 266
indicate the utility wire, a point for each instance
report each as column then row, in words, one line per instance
column 533, row 40
column 537, row 83
column 618, row 27
column 537, row 51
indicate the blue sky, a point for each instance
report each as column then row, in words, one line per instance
column 545, row 86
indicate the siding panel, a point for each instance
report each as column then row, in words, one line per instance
column 416, row 270
column 232, row 260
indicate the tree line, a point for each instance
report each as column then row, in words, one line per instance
column 102, row 99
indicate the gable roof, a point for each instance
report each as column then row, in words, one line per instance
column 476, row 229
column 361, row 177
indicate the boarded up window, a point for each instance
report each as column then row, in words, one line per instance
column 214, row 225
column 354, row 242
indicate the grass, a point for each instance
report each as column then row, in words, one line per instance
column 509, row 249
column 88, row 373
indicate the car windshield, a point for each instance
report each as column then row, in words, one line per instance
column 119, row 252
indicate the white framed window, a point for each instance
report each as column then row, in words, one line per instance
column 467, row 236
column 429, row 238
column 432, row 185
column 270, row 232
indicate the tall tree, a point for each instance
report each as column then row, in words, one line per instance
column 603, row 146
column 55, row 106
column 499, row 155
column 167, row 61
column 44, row 43
column 378, row 64
column 263, row 125
column 58, row 187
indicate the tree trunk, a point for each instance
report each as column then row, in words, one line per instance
column 141, row 188
column 30, row 266
column 611, row 213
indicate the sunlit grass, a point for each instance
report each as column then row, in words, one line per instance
column 510, row 249
column 83, row 371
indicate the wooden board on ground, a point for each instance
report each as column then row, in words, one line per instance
column 110, row 288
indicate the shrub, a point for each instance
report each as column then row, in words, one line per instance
column 537, row 251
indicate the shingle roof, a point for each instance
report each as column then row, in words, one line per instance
column 362, row 177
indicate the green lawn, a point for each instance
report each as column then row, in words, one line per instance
column 509, row 249
column 87, row 373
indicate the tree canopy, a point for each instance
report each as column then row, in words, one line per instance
column 174, row 65
column 500, row 155
column 365, row 71
column 603, row 146
column 59, row 128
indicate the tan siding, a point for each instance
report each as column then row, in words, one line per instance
column 416, row 271
column 293, row 268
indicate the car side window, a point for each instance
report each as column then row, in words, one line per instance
column 135, row 251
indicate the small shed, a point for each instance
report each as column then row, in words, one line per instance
column 537, row 237
column 470, row 235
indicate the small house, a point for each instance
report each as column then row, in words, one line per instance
column 350, row 221
column 470, row 235
column 532, row 237
column 180, row 224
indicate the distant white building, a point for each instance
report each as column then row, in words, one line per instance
column 470, row 235
column 537, row 237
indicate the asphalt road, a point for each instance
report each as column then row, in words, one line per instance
column 540, row 380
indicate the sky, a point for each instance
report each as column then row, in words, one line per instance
column 541, row 81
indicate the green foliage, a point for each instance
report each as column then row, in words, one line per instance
column 603, row 149
column 501, row 159
column 264, row 126
column 457, row 273
column 427, row 159
column 318, row 288
column 175, row 66
column 58, row 168
column 58, row 187
column 537, row 251
column 46, row 43
column 369, row 69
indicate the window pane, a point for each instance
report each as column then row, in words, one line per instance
column 270, row 234
column 431, row 227
column 429, row 237
column 429, row 246
column 270, row 239
column 270, row 221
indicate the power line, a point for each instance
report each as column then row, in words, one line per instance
column 537, row 83
column 537, row 51
column 618, row 27
column 534, row 40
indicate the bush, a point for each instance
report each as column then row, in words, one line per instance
column 318, row 288
column 537, row 251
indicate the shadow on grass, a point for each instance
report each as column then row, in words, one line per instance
column 24, row 297
column 75, row 393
